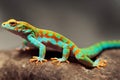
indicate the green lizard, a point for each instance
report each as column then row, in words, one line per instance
column 40, row 38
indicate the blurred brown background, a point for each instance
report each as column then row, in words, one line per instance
column 83, row 21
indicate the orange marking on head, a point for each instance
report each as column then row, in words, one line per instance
column 76, row 52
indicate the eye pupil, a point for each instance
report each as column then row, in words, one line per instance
column 12, row 23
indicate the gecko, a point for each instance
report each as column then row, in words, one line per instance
column 39, row 38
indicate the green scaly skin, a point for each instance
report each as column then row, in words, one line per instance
column 35, row 37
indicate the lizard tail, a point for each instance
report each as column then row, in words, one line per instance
column 97, row 48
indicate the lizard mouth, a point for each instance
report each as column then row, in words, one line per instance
column 15, row 31
column 20, row 33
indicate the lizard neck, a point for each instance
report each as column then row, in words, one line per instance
column 33, row 28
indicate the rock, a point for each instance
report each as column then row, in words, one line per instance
column 15, row 65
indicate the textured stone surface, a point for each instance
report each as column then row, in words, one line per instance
column 15, row 65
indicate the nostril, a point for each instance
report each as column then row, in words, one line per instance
column 3, row 24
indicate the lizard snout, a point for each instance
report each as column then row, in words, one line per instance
column 3, row 24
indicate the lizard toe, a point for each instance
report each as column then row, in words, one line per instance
column 58, row 61
column 100, row 63
column 38, row 59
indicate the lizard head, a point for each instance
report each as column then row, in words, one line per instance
column 17, row 26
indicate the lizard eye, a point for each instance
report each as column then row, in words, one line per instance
column 13, row 23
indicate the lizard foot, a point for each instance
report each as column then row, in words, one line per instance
column 37, row 59
column 24, row 49
column 100, row 63
column 58, row 61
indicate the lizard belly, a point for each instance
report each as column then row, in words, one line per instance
column 50, row 44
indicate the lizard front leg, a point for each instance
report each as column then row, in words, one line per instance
column 42, row 49
column 24, row 46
